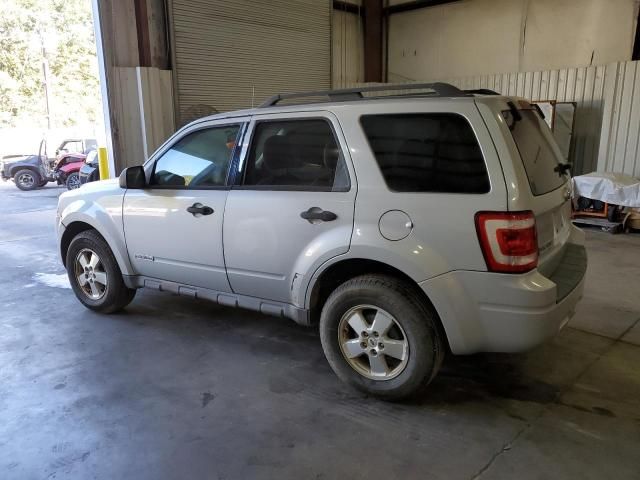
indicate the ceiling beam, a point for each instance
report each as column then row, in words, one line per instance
column 348, row 7
column 415, row 5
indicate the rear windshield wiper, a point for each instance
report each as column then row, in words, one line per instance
column 515, row 115
column 562, row 168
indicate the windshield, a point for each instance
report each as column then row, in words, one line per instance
column 539, row 152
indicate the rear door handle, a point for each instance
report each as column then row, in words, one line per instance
column 198, row 208
column 316, row 213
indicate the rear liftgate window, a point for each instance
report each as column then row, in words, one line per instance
column 540, row 154
column 427, row 153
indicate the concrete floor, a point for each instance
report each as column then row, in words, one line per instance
column 175, row 388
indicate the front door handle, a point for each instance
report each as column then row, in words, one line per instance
column 198, row 208
column 316, row 213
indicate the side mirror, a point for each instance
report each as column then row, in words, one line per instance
column 133, row 177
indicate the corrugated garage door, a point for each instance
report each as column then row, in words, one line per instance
column 230, row 54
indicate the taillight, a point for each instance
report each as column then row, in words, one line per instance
column 508, row 240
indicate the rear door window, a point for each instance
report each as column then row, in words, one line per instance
column 427, row 152
column 301, row 154
column 538, row 150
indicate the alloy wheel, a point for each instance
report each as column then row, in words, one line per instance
column 27, row 180
column 373, row 343
column 90, row 274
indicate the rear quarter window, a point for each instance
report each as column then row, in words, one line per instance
column 427, row 152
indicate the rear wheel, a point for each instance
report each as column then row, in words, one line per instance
column 94, row 274
column 381, row 337
column 43, row 183
column 27, row 179
column 73, row 181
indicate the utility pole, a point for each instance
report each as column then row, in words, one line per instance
column 45, row 73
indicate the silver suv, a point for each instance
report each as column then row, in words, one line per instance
column 405, row 225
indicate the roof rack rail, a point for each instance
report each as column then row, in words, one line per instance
column 347, row 94
column 482, row 91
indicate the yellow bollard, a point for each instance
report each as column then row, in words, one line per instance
column 103, row 163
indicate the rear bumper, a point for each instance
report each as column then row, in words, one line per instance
column 492, row 312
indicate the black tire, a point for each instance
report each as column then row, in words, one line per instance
column 43, row 183
column 27, row 180
column 73, row 181
column 612, row 213
column 584, row 203
column 418, row 322
column 116, row 294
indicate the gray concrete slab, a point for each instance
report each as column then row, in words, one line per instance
column 176, row 388
column 633, row 334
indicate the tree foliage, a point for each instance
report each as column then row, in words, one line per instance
column 62, row 32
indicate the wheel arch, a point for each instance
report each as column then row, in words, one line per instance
column 77, row 226
column 16, row 168
column 70, row 232
column 344, row 270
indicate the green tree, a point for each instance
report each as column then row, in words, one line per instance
column 62, row 32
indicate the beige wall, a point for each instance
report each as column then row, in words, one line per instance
column 477, row 37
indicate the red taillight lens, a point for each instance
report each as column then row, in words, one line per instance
column 508, row 240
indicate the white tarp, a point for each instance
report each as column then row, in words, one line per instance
column 615, row 188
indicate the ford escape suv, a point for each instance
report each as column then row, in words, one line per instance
column 404, row 224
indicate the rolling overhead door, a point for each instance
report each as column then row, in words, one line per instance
column 231, row 54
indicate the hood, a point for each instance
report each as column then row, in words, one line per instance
column 106, row 186
column 16, row 158
column 90, row 194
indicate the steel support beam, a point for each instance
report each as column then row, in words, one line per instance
column 373, row 41
column 142, row 30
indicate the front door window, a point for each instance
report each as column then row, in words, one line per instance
column 199, row 160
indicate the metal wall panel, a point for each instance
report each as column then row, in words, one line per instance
column 619, row 145
column 607, row 127
column 232, row 54
column 585, row 86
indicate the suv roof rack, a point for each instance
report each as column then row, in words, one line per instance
column 482, row 91
column 347, row 94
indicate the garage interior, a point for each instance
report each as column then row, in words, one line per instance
column 178, row 388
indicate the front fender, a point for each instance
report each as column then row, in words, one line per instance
column 105, row 216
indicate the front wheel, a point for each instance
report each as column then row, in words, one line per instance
column 27, row 180
column 94, row 274
column 73, row 181
column 381, row 337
